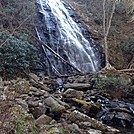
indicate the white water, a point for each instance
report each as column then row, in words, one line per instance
column 76, row 47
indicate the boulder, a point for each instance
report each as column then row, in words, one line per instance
column 38, row 111
column 72, row 93
column 85, row 125
column 93, row 131
column 74, row 129
column 54, row 106
column 77, row 116
column 43, row 120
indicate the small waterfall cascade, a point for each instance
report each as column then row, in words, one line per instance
column 56, row 27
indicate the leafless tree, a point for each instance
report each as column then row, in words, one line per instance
column 107, row 20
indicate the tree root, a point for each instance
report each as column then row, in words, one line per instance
column 108, row 67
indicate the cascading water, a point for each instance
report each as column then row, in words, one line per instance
column 57, row 28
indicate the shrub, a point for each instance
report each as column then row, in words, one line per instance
column 111, row 82
column 26, row 124
column 128, row 47
column 15, row 53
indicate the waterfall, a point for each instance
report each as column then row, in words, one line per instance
column 58, row 29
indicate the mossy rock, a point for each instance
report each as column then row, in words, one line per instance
column 55, row 130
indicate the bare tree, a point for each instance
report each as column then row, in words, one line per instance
column 106, row 27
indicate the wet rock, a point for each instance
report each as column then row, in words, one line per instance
column 124, row 119
column 71, row 93
column 43, row 120
column 77, row 116
column 124, row 116
column 78, row 86
column 54, row 106
column 116, row 113
column 93, row 131
column 59, row 85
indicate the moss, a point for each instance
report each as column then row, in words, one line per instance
column 86, row 105
column 82, row 102
column 55, row 130
column 25, row 124
column 50, row 132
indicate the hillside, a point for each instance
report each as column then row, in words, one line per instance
column 121, row 32
column 34, row 101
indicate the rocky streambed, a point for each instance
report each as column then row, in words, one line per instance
column 65, row 105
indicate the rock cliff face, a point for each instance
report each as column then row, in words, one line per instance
column 60, row 28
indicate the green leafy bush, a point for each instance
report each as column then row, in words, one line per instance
column 111, row 82
column 15, row 53
column 26, row 124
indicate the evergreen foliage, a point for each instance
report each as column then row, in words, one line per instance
column 15, row 54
